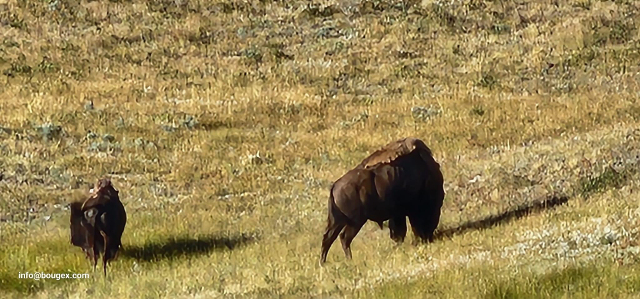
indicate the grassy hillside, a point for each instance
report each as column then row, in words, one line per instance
column 223, row 124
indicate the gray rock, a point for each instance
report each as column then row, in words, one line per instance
column 50, row 131
column 88, row 106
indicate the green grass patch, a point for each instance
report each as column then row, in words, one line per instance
column 601, row 279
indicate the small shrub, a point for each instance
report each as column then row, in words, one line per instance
column 608, row 179
column 424, row 113
column 50, row 131
column 488, row 81
column 477, row 110
column 500, row 28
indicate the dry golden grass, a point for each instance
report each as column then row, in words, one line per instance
column 223, row 123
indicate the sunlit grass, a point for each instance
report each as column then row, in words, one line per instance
column 224, row 123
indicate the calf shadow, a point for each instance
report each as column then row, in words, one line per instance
column 184, row 246
column 505, row 217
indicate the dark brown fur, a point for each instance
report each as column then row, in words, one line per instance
column 400, row 180
column 97, row 223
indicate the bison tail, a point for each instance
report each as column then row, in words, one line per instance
column 334, row 213
column 79, row 234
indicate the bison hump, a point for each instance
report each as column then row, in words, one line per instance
column 394, row 150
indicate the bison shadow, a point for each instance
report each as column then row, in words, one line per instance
column 493, row 220
column 183, row 246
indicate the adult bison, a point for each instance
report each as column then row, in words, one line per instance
column 400, row 180
column 97, row 223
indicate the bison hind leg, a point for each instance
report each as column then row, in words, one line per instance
column 347, row 236
column 105, row 254
column 330, row 235
column 96, row 255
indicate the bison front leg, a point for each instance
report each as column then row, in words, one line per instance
column 347, row 236
column 424, row 226
column 432, row 224
column 417, row 226
column 398, row 228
